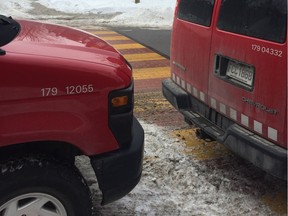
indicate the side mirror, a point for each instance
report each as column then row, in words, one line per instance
column 9, row 29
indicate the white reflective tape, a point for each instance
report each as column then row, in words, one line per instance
column 223, row 108
column 272, row 133
column 189, row 89
column 245, row 120
column 258, row 127
column 213, row 103
column 195, row 92
column 202, row 96
column 183, row 84
column 173, row 77
column 233, row 114
column 178, row 80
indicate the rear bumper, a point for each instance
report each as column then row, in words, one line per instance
column 261, row 152
column 120, row 171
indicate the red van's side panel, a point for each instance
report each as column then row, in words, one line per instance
column 194, row 41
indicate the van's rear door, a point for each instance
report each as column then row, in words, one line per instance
column 248, row 65
column 192, row 35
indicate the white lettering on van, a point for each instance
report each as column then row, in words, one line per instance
column 49, row 91
column 79, row 89
column 267, row 50
column 69, row 90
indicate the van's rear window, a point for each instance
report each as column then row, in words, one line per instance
column 264, row 19
column 196, row 11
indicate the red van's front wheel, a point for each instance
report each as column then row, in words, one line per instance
column 39, row 203
column 41, row 186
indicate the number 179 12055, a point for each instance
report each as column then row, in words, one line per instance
column 69, row 90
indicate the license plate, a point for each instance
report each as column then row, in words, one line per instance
column 240, row 72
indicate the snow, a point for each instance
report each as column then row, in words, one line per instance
column 173, row 183
column 147, row 13
column 16, row 8
column 107, row 6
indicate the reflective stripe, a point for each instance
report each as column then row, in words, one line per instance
column 223, row 108
column 258, row 126
column 272, row 134
column 202, row 96
column 213, row 103
column 233, row 114
column 183, row 84
column 189, row 89
column 173, row 77
column 178, row 80
column 244, row 120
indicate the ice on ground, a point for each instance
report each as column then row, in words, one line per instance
column 173, row 183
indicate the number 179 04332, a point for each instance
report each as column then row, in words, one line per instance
column 267, row 50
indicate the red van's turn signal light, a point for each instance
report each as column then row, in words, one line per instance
column 119, row 101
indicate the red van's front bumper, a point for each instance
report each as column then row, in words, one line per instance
column 119, row 172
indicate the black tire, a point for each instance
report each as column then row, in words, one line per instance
column 59, row 187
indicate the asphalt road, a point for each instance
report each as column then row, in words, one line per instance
column 155, row 39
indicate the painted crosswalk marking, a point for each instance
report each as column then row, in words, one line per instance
column 138, row 55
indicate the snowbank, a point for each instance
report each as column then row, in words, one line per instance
column 147, row 13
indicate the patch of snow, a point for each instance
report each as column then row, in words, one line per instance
column 147, row 13
column 174, row 183
column 16, row 8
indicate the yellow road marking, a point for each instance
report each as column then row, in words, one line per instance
column 103, row 32
column 128, row 46
column 143, row 57
column 114, row 38
column 151, row 73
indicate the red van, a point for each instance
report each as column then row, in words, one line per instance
column 64, row 93
column 229, row 75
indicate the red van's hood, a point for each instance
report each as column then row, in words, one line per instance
column 63, row 42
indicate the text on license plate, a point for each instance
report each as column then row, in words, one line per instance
column 240, row 72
